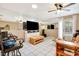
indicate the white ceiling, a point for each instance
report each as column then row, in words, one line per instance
column 11, row 11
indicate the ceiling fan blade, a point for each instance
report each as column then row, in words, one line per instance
column 66, row 9
column 69, row 5
column 51, row 10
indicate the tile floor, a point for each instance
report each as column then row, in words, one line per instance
column 46, row 48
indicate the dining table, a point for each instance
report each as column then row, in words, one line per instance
column 14, row 50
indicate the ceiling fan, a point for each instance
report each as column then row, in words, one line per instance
column 60, row 6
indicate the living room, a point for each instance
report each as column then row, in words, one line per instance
column 36, row 27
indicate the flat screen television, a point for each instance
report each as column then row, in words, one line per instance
column 32, row 25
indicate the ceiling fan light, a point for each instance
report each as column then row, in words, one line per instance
column 59, row 11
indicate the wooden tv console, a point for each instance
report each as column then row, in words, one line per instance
column 36, row 39
column 61, row 45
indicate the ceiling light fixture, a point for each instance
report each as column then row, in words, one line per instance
column 59, row 11
column 34, row 6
